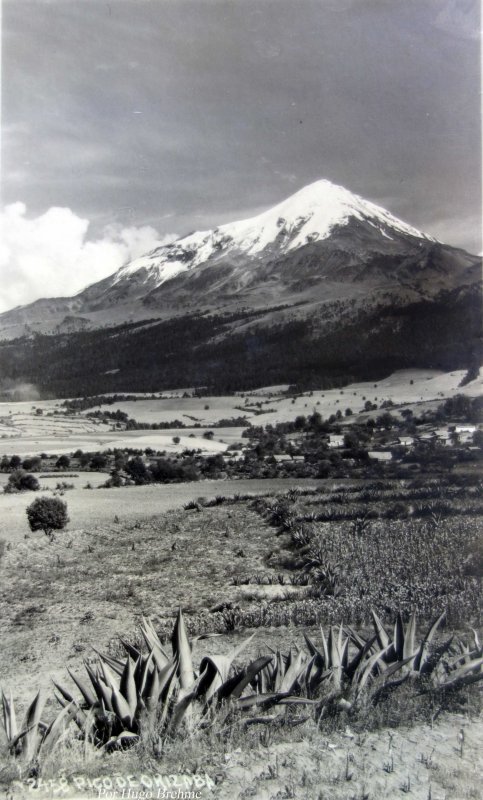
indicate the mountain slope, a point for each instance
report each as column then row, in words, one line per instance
column 323, row 285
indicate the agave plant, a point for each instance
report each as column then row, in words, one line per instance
column 158, row 692
column 34, row 737
column 439, row 666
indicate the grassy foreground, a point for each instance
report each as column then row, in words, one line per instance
column 281, row 566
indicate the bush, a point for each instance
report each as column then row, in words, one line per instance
column 21, row 481
column 48, row 514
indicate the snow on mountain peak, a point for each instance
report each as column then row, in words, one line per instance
column 308, row 215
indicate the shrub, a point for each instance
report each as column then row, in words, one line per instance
column 21, row 481
column 48, row 514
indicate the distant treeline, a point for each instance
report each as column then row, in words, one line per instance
column 130, row 424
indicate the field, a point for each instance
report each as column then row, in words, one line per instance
column 335, row 621
column 279, row 566
column 25, row 431
column 131, row 504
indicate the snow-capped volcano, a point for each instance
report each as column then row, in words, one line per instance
column 309, row 215
column 319, row 259
column 323, row 288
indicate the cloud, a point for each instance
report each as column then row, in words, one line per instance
column 51, row 256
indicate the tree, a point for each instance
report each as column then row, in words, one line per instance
column 48, row 514
column 138, row 471
column 63, row 462
column 98, row 461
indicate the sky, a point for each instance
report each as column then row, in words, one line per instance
column 126, row 123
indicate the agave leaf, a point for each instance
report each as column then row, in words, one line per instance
column 56, row 729
column 292, row 673
column 106, row 695
column 182, row 651
column 325, row 649
column 76, row 714
column 95, row 680
column 115, row 664
column 467, row 680
column 355, row 638
column 344, row 656
column 456, row 675
column 237, row 650
column 19, row 738
column 141, row 674
column 380, row 631
column 398, row 642
column 130, row 649
column 109, row 678
column 234, row 687
column 168, row 678
column 364, row 670
column 359, row 657
column 310, row 644
column 180, row 710
column 152, row 691
column 154, row 644
column 166, row 694
column 128, row 686
column 9, row 718
column 121, row 708
column 388, row 671
column 31, row 742
column 260, row 700
column 297, row 701
column 64, row 692
column 408, row 646
column 334, row 654
column 158, row 682
column 84, row 689
column 215, row 671
column 476, row 640
column 278, row 671
column 422, row 654
column 466, row 658
column 116, row 741
column 313, row 674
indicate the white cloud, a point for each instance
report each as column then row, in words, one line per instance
column 50, row 255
